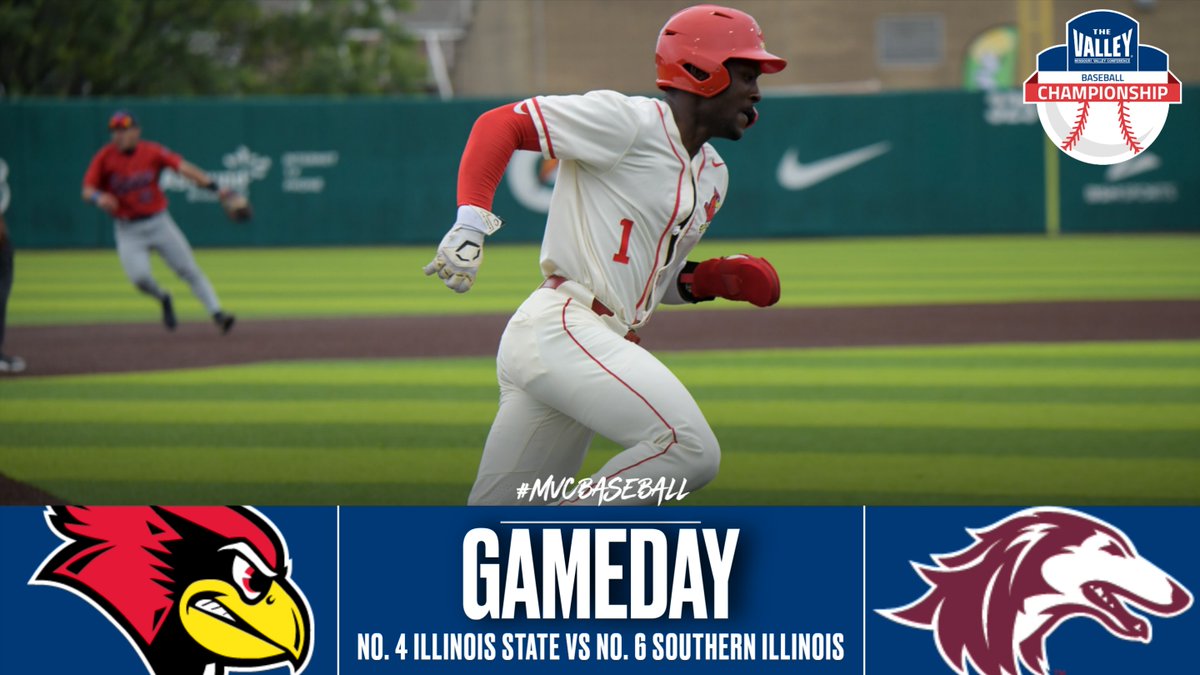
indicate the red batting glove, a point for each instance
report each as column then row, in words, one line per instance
column 737, row 277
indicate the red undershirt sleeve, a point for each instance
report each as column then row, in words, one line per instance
column 496, row 135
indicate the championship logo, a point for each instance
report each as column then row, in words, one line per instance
column 1102, row 97
column 996, row 601
column 201, row 589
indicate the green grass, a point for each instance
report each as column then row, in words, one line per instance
column 1012, row 424
column 89, row 286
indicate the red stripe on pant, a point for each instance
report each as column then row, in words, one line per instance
column 674, row 438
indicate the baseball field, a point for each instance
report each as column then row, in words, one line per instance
column 972, row 370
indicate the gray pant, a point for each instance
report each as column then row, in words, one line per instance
column 159, row 233
column 6, row 278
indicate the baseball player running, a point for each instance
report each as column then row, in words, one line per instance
column 638, row 184
column 122, row 181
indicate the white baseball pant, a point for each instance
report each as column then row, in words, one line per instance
column 567, row 373
column 135, row 240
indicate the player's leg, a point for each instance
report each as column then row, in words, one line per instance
column 8, row 363
column 592, row 374
column 6, row 278
column 170, row 243
column 640, row 404
column 529, row 440
column 133, row 248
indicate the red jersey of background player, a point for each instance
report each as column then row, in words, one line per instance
column 132, row 177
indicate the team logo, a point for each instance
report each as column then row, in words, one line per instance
column 1102, row 97
column 793, row 174
column 711, row 206
column 996, row 601
column 200, row 589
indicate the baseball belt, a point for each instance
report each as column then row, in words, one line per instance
column 554, row 281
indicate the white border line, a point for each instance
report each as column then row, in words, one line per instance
column 864, row 588
column 338, row 592
column 600, row 522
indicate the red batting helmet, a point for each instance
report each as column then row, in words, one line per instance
column 704, row 37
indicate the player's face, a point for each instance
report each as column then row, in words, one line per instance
column 126, row 139
column 732, row 111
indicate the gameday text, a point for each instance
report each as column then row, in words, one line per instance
column 665, row 572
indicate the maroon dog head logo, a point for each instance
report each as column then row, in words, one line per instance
column 996, row 601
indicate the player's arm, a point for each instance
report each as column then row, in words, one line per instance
column 196, row 175
column 199, row 177
column 92, row 193
column 497, row 134
column 181, row 166
column 236, row 206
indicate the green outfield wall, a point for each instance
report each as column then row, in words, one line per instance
column 383, row 171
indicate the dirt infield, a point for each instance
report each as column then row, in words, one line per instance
column 69, row 350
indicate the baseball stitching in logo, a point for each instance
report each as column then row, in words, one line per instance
column 997, row 600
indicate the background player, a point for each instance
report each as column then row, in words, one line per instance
column 638, row 185
column 122, row 180
column 8, row 364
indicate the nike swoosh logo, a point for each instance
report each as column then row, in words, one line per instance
column 716, row 163
column 1133, row 166
column 793, row 175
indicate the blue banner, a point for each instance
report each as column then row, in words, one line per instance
column 327, row 590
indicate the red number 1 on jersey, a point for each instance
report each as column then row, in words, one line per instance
column 622, row 256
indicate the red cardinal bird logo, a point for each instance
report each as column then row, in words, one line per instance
column 996, row 601
column 711, row 206
column 196, row 590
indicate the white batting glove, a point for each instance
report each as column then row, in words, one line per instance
column 460, row 252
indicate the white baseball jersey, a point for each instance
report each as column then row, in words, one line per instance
column 615, row 225
column 628, row 207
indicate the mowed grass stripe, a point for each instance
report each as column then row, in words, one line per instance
column 263, row 493
column 168, row 438
column 965, row 497
column 407, row 394
column 37, row 443
column 257, row 464
column 993, row 477
column 89, row 286
column 375, row 424
column 271, row 493
column 937, row 478
column 780, row 414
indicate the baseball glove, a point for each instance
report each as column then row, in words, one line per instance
column 236, row 206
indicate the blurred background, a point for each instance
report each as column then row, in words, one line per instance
column 343, row 119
